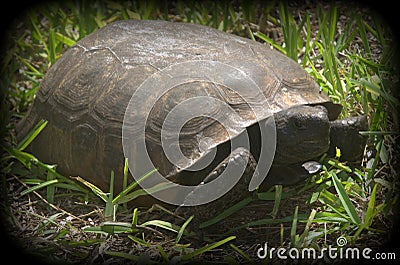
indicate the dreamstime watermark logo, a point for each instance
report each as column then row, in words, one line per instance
column 225, row 80
column 341, row 241
column 340, row 251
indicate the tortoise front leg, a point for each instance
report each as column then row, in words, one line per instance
column 237, row 159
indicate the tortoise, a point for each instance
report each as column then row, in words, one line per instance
column 85, row 95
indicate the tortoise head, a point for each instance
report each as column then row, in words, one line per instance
column 302, row 133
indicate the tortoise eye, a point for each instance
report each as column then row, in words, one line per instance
column 300, row 124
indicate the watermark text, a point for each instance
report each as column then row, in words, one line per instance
column 330, row 252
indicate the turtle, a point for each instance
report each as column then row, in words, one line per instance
column 85, row 95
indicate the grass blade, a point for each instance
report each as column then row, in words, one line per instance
column 28, row 160
column 163, row 254
column 307, row 228
column 277, row 202
column 371, row 206
column 370, row 213
column 137, row 193
column 111, row 228
column 120, row 197
column 126, row 174
column 135, row 217
column 180, row 233
column 116, row 227
column 31, row 135
column 36, row 32
column 162, row 224
column 39, row 186
column 294, row 228
column 345, row 200
column 33, row 70
column 52, row 47
column 139, row 241
column 241, row 252
column 231, row 210
column 125, row 180
column 206, row 248
column 97, row 191
column 327, row 217
column 64, row 39
column 363, row 35
column 375, row 89
column 270, row 41
column 109, row 210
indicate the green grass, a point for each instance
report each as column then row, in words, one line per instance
column 343, row 199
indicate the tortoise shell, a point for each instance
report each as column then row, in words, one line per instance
column 85, row 94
